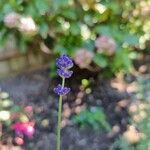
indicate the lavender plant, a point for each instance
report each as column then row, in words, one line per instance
column 64, row 63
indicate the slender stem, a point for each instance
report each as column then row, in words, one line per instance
column 1, row 134
column 63, row 82
column 59, row 117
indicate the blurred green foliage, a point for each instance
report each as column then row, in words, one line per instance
column 94, row 117
column 67, row 25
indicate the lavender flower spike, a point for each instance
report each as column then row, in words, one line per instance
column 61, row 90
column 64, row 62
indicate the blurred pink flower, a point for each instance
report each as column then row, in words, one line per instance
column 25, row 128
column 19, row 140
column 28, row 109
column 83, row 58
column 105, row 44
column 27, row 26
column 11, row 20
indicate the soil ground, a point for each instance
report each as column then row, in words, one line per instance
column 36, row 89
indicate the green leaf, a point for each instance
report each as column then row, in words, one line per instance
column 44, row 30
column 59, row 3
column 7, row 8
column 75, row 28
column 16, row 108
column 104, row 30
column 88, row 18
column 89, row 44
column 121, row 61
column 70, row 14
column 60, row 49
column 100, row 60
column 30, row 10
column 42, row 6
column 131, row 39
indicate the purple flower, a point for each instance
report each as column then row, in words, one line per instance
column 61, row 90
column 64, row 62
column 64, row 73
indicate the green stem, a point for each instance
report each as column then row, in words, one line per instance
column 59, row 117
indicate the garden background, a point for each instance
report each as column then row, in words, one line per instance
column 108, row 106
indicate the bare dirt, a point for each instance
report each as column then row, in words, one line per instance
column 36, row 89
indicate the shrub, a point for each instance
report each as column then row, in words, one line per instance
column 64, row 26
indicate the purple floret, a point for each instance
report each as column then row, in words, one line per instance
column 64, row 62
column 61, row 90
column 64, row 73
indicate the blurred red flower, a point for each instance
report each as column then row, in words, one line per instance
column 25, row 128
